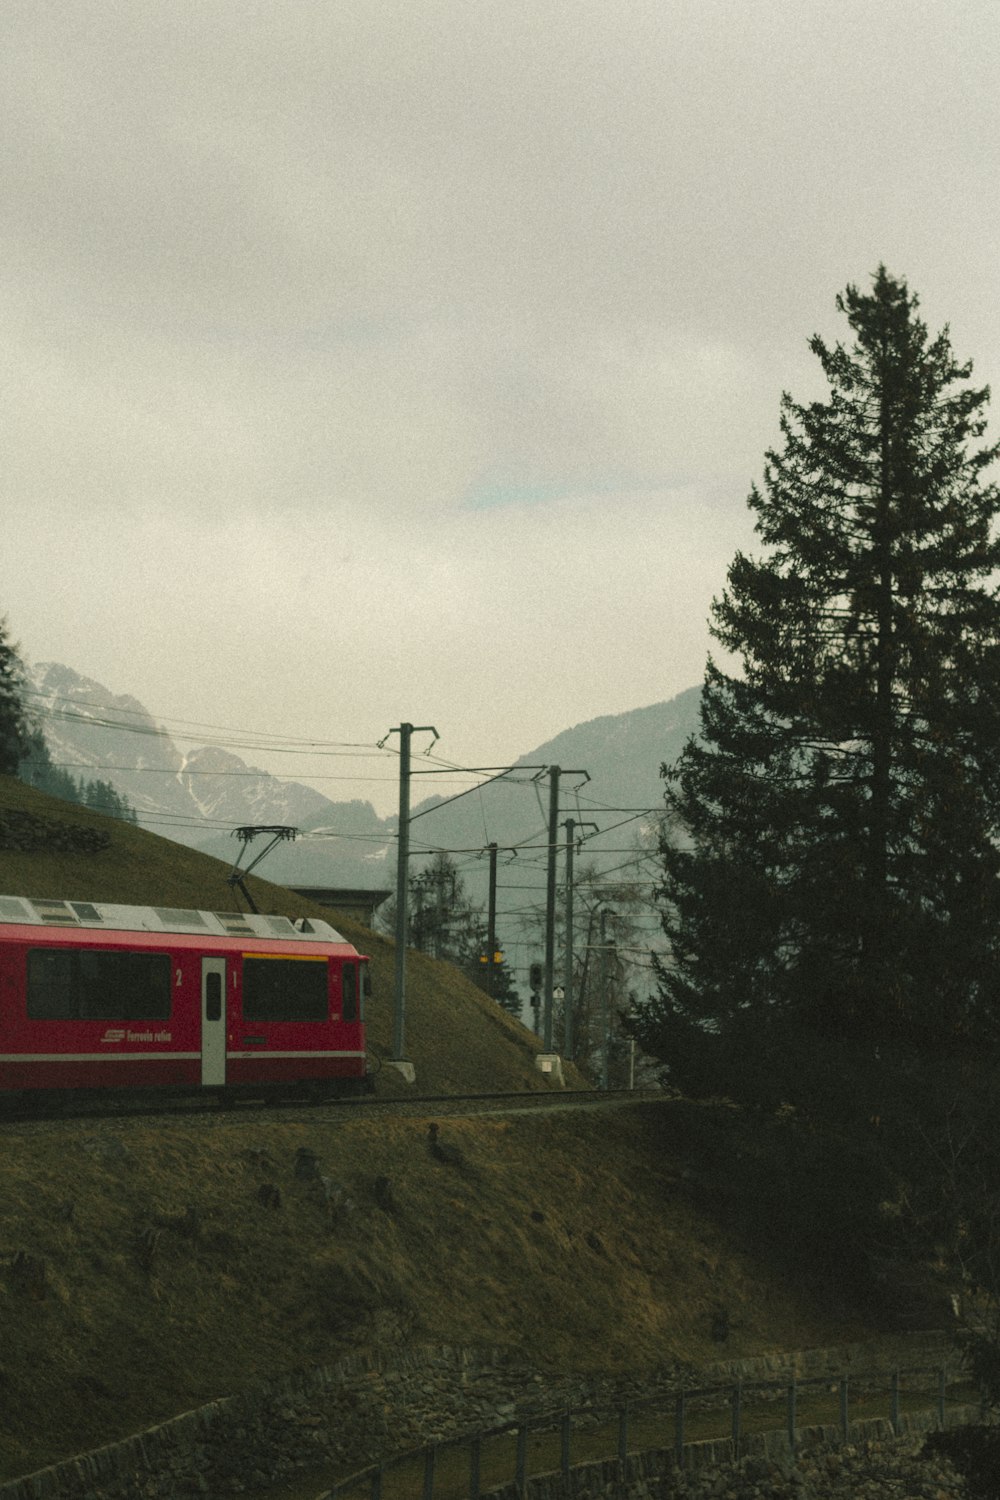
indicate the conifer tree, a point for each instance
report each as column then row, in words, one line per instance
column 835, row 888
column 15, row 729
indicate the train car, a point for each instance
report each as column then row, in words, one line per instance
column 97, row 997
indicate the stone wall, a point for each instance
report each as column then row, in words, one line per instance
column 353, row 1413
column 27, row 833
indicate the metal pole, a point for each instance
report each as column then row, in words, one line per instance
column 605, row 983
column 568, row 946
column 491, row 922
column 475, row 1463
column 402, row 860
column 405, row 732
column 521, row 1472
column 550, row 906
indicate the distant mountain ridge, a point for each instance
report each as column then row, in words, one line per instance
column 626, row 750
column 83, row 725
column 197, row 796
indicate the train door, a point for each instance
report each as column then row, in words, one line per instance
column 213, row 1021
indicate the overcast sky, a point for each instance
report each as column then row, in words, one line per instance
column 367, row 362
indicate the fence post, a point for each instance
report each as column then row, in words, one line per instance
column 791, row 1415
column 679, row 1430
column 894, row 1404
column 377, row 1484
column 845, row 1420
column 623, row 1436
column 521, row 1474
column 564, row 1440
column 475, row 1457
column 429, row 1457
column 737, row 1400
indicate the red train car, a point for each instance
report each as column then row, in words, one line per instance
column 96, row 996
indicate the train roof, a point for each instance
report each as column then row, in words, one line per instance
column 35, row 912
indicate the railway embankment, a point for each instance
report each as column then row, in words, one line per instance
column 337, row 1419
column 177, row 1263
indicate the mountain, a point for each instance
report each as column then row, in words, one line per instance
column 195, row 796
column 198, row 795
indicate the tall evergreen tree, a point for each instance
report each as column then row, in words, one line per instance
column 15, row 729
column 837, row 881
column 492, row 973
column 36, row 769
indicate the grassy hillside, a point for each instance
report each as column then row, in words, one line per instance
column 458, row 1040
column 143, row 1271
column 168, row 1281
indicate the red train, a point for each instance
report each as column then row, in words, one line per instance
column 99, row 997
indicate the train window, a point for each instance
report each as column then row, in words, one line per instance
column 177, row 916
column 86, row 912
column 51, row 987
column 285, row 989
column 54, row 911
column 85, row 984
column 366, row 990
column 350, row 1010
column 213, row 996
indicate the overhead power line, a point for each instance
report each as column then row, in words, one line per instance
column 235, row 739
column 160, row 726
column 86, row 765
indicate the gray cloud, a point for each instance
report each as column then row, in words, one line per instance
column 436, row 346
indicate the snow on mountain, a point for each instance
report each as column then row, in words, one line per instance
column 192, row 795
column 199, row 794
column 99, row 735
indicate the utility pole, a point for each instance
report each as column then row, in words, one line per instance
column 550, row 906
column 555, row 772
column 605, row 986
column 568, row 946
column 405, row 732
column 491, row 922
column 568, row 1039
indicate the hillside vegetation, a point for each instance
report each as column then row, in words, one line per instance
column 146, row 1268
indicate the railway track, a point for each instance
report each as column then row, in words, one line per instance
column 335, row 1112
